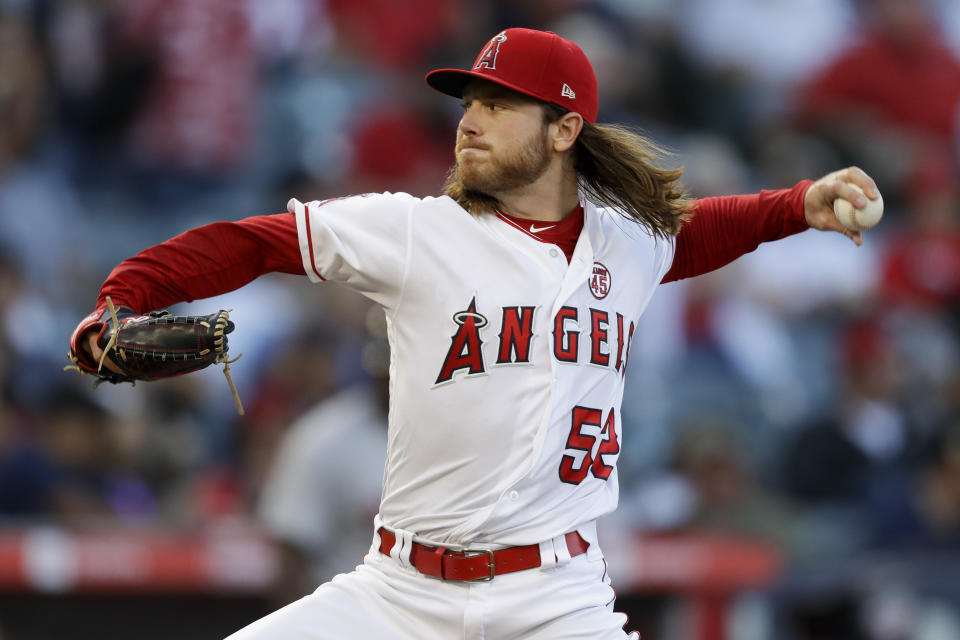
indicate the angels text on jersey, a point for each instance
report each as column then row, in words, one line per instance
column 579, row 334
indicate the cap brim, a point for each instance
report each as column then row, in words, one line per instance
column 453, row 81
column 449, row 81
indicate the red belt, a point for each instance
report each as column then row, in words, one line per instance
column 481, row 565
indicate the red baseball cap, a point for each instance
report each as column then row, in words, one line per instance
column 539, row 64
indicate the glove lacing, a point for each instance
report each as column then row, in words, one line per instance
column 222, row 358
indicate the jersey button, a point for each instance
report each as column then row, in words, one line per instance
column 514, row 495
column 554, row 253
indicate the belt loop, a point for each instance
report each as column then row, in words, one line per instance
column 375, row 545
column 560, row 548
column 402, row 547
column 548, row 558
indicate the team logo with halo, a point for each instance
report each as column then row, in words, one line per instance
column 599, row 281
column 478, row 320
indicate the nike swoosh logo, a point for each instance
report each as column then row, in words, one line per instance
column 536, row 229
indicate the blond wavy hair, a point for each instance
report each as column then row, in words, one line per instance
column 616, row 167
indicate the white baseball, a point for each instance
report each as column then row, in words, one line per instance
column 858, row 219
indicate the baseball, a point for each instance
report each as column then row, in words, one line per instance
column 858, row 219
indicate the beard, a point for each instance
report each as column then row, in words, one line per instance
column 475, row 185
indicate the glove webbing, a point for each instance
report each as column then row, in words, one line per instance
column 222, row 358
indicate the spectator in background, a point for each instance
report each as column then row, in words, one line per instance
column 198, row 113
column 33, row 195
column 397, row 121
column 923, row 513
column 394, row 35
column 919, row 289
column 752, row 54
column 303, row 370
column 160, row 101
column 318, row 520
column 865, row 438
column 892, row 98
column 21, row 91
column 729, row 499
column 72, row 468
column 921, row 263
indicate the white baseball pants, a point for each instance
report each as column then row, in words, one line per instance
column 564, row 599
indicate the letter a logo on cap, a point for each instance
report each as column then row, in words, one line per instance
column 567, row 92
column 488, row 59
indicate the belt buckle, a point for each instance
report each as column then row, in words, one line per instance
column 492, row 565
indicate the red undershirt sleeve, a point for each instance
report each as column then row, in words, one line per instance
column 224, row 256
column 204, row 262
column 725, row 228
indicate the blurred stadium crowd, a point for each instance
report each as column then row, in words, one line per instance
column 808, row 394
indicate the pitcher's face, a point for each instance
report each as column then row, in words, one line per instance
column 501, row 139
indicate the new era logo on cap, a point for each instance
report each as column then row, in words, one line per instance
column 534, row 63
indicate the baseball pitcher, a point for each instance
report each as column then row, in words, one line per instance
column 511, row 302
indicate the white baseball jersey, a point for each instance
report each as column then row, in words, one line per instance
column 507, row 363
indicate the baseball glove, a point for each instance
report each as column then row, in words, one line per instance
column 153, row 346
